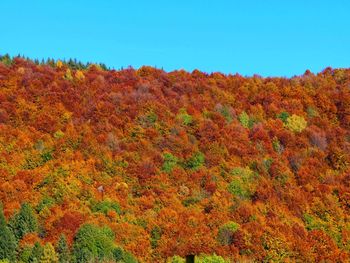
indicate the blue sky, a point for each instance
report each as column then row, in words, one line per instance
column 269, row 38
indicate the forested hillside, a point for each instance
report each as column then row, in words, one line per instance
column 142, row 165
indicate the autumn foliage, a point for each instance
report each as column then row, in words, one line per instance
column 161, row 164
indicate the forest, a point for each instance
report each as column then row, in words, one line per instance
column 143, row 165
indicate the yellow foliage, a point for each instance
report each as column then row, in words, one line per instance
column 296, row 123
column 66, row 116
column 79, row 75
column 59, row 64
column 68, row 74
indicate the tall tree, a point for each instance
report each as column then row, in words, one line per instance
column 63, row 250
column 37, row 253
column 24, row 222
column 8, row 242
column 49, row 255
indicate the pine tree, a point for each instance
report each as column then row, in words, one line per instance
column 63, row 250
column 8, row 242
column 49, row 255
column 37, row 252
column 24, row 222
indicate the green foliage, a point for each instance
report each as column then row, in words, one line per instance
column 24, row 221
column 184, row 117
column 225, row 111
column 121, row 255
column 191, row 201
column 311, row 112
column 149, row 119
column 63, row 250
column 156, row 234
column 211, row 259
column 36, row 253
column 25, row 253
column 241, row 186
column 296, row 123
column 170, row 161
column 58, row 134
column 283, row 116
column 105, row 206
column 232, row 226
column 152, row 117
column 267, row 162
column 244, row 119
column 325, row 223
column 8, row 242
column 46, row 202
column 237, row 188
column 93, row 243
column 46, row 156
column 277, row 146
column 48, row 255
column 176, row 259
column 195, row 162
column 6, row 60
column 226, row 231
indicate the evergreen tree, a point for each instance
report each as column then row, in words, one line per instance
column 93, row 243
column 24, row 222
column 24, row 254
column 36, row 254
column 8, row 242
column 49, row 255
column 63, row 250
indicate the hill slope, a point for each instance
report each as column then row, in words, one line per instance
column 159, row 164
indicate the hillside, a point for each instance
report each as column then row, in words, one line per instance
column 146, row 165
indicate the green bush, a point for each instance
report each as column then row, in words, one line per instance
column 243, row 182
column 244, row 119
column 170, row 161
column 46, row 202
column 195, row 161
column 156, row 234
column 184, row 117
column 283, row 116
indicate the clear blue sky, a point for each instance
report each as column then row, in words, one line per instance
column 266, row 37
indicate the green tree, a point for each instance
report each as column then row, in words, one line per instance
column 170, row 161
column 8, row 242
column 49, row 255
column 63, row 250
column 93, row 243
column 184, row 117
column 244, row 119
column 37, row 252
column 195, row 161
column 121, row 255
column 24, row 222
column 24, row 254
